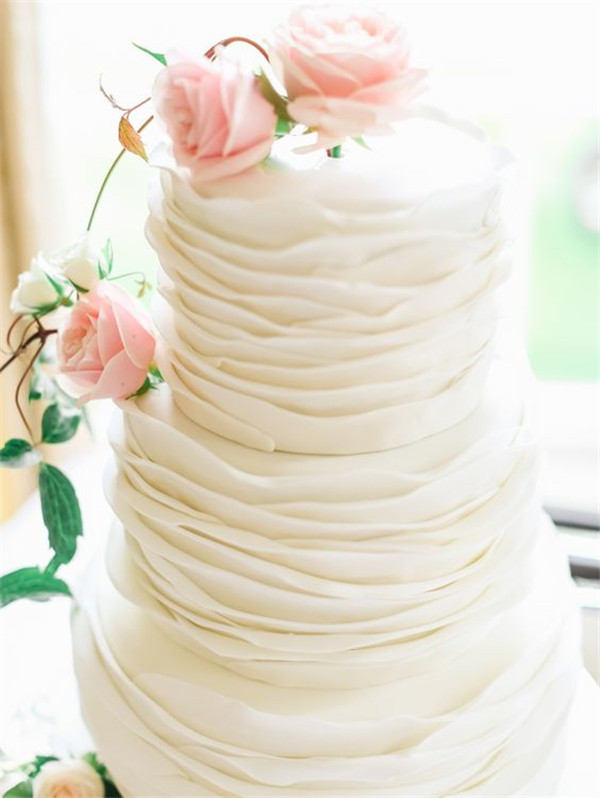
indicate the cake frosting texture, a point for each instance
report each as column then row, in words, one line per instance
column 330, row 574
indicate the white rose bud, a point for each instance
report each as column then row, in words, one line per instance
column 34, row 290
column 79, row 264
column 69, row 778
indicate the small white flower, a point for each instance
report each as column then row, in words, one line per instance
column 35, row 290
column 79, row 263
column 69, row 778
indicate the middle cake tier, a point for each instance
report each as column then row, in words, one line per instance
column 327, row 570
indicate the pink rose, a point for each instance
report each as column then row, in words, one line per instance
column 346, row 72
column 106, row 345
column 216, row 116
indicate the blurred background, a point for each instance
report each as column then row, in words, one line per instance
column 527, row 71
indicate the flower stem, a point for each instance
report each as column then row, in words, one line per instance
column 38, row 335
column 113, row 166
column 128, row 274
column 211, row 52
column 335, row 152
column 22, row 381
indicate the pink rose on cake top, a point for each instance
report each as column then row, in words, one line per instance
column 346, row 72
column 106, row 345
column 215, row 114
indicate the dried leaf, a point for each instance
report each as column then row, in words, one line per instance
column 130, row 139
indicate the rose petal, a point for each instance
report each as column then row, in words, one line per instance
column 109, row 340
column 137, row 342
column 119, row 379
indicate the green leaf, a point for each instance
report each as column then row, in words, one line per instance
column 283, row 127
column 61, row 287
column 144, row 388
column 59, row 423
column 22, row 790
column 33, row 768
column 110, row 789
column 272, row 95
column 41, row 386
column 152, row 381
column 108, row 256
column 92, row 759
column 61, row 513
column 361, row 142
column 15, row 447
column 159, row 56
column 18, row 453
column 30, row 583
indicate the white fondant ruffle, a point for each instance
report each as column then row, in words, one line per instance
column 482, row 723
column 337, row 330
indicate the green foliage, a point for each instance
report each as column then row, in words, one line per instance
column 41, row 386
column 31, row 583
column 151, row 383
column 92, row 759
column 104, row 269
column 22, row 790
column 33, row 768
column 18, row 453
column 14, row 448
column 61, row 513
column 60, row 423
column 283, row 127
column 278, row 102
column 361, row 142
column 158, row 56
column 110, row 789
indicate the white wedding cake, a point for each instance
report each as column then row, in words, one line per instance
column 331, row 575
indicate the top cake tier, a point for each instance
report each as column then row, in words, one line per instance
column 334, row 306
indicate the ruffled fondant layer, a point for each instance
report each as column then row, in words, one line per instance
column 301, row 318
column 484, row 723
column 246, row 643
column 325, row 571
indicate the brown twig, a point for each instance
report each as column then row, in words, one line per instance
column 116, row 105
column 212, row 51
column 11, row 329
column 21, row 382
column 26, row 331
column 39, row 335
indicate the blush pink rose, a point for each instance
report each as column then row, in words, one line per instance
column 346, row 72
column 106, row 345
column 215, row 114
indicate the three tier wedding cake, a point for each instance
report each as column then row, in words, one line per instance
column 331, row 575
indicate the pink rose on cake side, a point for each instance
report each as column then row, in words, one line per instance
column 346, row 72
column 215, row 114
column 106, row 345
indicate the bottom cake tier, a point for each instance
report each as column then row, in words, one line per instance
column 488, row 722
